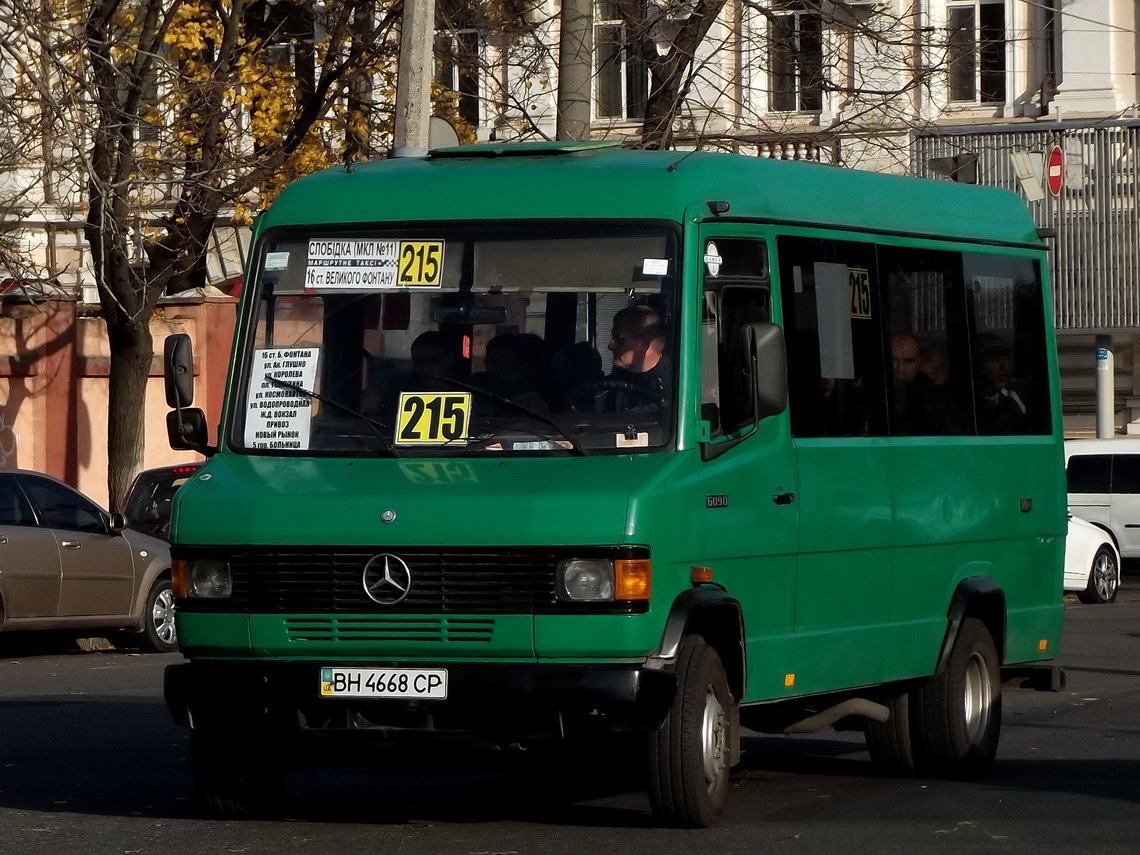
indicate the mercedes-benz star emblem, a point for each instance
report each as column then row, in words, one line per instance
column 387, row 579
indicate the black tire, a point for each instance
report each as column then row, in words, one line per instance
column 889, row 743
column 236, row 775
column 159, row 633
column 1104, row 577
column 689, row 754
column 956, row 715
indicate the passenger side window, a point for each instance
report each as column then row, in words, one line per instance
column 1010, row 357
column 931, row 391
column 14, row 507
column 831, row 298
column 64, row 508
column 1089, row 473
column 737, row 293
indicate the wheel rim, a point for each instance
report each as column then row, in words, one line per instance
column 714, row 738
column 1104, row 576
column 977, row 696
column 162, row 617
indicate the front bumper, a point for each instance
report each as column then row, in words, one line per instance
column 503, row 702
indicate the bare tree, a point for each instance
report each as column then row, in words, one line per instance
column 160, row 116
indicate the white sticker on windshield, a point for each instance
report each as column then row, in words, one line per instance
column 277, row 410
column 637, row 440
column 277, row 260
column 713, row 260
column 655, row 266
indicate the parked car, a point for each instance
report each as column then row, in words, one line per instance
column 65, row 563
column 1092, row 562
column 147, row 503
column 1104, row 487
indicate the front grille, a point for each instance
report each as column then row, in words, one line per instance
column 467, row 581
column 390, row 630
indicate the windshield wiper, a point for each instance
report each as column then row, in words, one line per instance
column 371, row 425
column 575, row 448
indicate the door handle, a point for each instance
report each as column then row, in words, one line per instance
column 784, row 498
column 3, row 539
column 70, row 544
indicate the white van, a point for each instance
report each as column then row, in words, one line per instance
column 1104, row 487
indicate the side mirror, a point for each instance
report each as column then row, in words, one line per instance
column 178, row 370
column 767, row 365
column 118, row 522
column 186, row 429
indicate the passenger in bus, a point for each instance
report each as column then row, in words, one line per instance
column 517, row 369
column 432, row 361
column 920, row 406
column 576, row 366
column 1002, row 406
column 639, row 358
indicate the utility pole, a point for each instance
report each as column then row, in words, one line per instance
column 575, row 69
column 413, row 79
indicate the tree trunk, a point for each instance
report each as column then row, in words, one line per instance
column 132, row 349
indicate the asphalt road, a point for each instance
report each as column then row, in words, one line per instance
column 90, row 763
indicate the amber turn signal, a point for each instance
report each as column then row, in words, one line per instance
column 632, row 578
column 700, row 574
column 180, row 577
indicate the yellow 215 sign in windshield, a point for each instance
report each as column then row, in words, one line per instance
column 428, row 418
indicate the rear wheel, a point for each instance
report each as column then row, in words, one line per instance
column 236, row 775
column 1104, row 578
column 689, row 755
column 957, row 713
column 889, row 742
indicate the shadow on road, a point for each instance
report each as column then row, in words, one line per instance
column 123, row 757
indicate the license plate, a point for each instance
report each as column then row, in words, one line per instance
column 428, row 683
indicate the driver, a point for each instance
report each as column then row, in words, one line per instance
column 638, row 345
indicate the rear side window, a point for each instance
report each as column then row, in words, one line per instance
column 1126, row 473
column 14, row 507
column 1089, row 473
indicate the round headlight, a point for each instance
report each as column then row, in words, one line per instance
column 586, row 580
column 210, row 579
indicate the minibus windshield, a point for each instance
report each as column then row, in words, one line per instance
column 541, row 340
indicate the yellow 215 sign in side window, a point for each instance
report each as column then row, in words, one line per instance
column 433, row 419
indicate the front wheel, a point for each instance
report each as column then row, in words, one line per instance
column 957, row 713
column 159, row 634
column 689, row 755
column 236, row 775
column 1104, row 577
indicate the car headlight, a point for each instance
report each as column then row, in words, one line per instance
column 202, row 578
column 586, row 580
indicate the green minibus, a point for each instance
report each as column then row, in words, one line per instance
column 567, row 444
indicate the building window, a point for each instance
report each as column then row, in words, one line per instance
column 621, row 76
column 457, row 61
column 795, row 59
column 975, row 56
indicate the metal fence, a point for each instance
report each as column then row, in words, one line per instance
column 1095, row 271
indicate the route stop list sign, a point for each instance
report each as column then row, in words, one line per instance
column 1055, row 170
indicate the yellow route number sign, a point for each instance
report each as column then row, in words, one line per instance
column 859, row 283
column 433, row 419
column 421, row 263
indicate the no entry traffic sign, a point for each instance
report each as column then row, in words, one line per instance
column 1055, row 170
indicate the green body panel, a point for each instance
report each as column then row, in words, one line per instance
column 303, row 501
column 213, row 635
column 847, row 585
